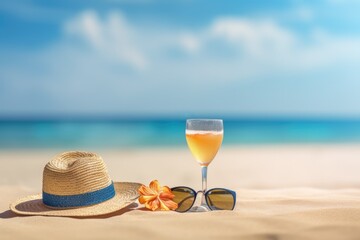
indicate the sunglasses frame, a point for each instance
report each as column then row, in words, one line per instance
column 205, row 195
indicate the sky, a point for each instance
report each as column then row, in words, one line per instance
column 180, row 58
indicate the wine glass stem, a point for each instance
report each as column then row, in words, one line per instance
column 204, row 184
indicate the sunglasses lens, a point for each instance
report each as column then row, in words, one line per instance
column 220, row 199
column 184, row 197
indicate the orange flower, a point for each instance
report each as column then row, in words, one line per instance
column 156, row 197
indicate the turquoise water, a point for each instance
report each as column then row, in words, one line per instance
column 153, row 133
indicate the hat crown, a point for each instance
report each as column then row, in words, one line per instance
column 73, row 173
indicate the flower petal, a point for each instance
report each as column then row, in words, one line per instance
column 153, row 205
column 143, row 190
column 166, row 189
column 155, row 186
column 144, row 199
column 171, row 205
column 165, row 195
column 157, row 197
column 163, row 206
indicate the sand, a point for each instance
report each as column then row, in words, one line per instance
column 283, row 192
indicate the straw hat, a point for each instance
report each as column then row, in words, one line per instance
column 77, row 184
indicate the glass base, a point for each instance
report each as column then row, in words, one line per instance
column 200, row 208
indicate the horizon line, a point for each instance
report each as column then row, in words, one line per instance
column 163, row 117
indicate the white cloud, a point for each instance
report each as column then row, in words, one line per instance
column 256, row 37
column 231, row 64
column 271, row 48
column 112, row 36
column 190, row 43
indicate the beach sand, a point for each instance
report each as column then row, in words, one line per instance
column 283, row 192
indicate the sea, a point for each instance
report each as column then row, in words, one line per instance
column 147, row 133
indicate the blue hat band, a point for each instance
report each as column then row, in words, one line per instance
column 79, row 200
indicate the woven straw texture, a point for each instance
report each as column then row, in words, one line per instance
column 73, row 173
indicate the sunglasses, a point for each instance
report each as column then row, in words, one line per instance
column 216, row 198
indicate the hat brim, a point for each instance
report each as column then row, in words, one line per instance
column 125, row 194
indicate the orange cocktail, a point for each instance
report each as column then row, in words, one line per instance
column 204, row 138
column 204, row 145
